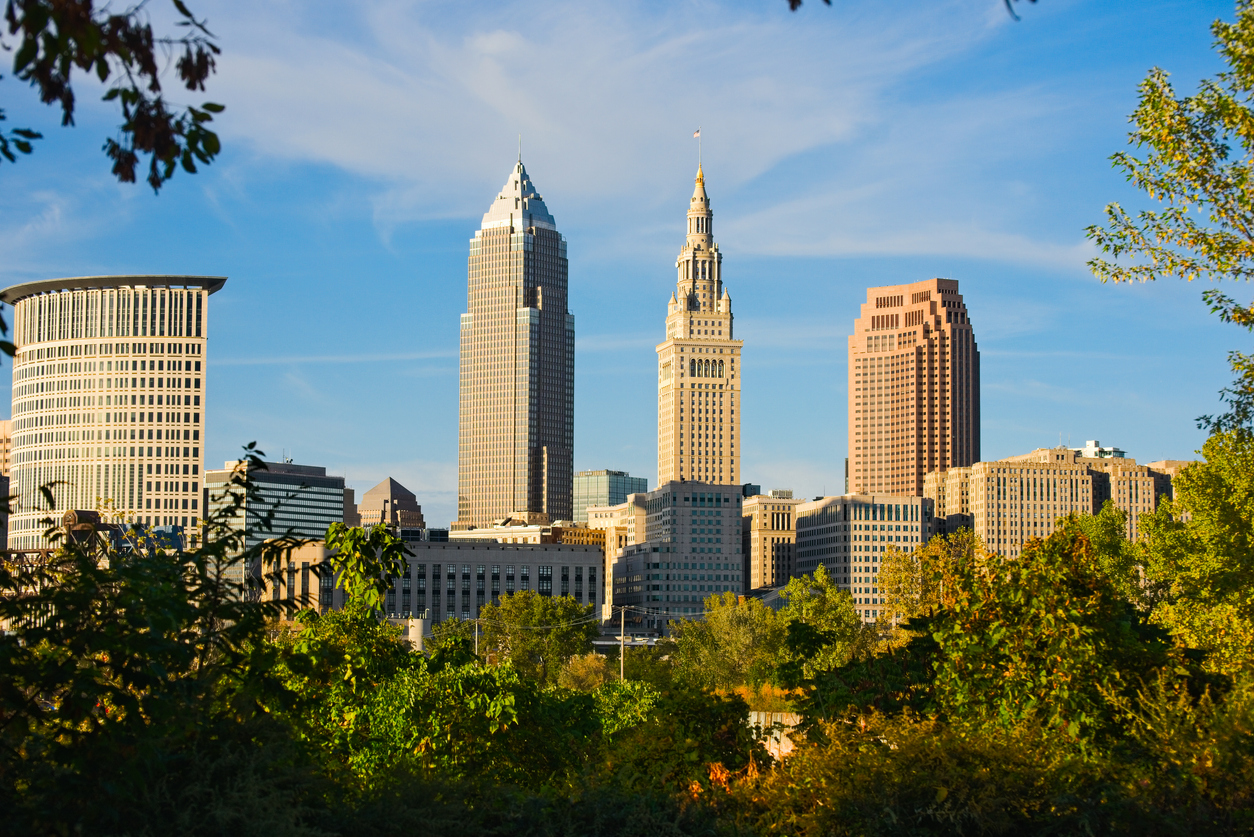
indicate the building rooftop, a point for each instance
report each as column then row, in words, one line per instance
column 14, row 293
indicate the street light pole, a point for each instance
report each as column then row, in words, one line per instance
column 622, row 643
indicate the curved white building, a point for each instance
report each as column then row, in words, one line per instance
column 108, row 398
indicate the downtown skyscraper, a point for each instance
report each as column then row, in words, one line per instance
column 517, row 393
column 914, row 387
column 698, row 363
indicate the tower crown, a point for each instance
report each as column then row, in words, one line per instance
column 700, row 218
column 519, row 204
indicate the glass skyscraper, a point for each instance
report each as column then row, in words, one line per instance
column 604, row 488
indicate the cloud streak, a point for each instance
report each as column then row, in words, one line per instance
column 291, row 360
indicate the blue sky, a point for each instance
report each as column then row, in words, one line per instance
column 866, row 143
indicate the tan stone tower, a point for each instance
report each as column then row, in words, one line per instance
column 698, row 375
column 914, row 387
column 516, row 419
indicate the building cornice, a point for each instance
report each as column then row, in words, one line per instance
column 15, row 293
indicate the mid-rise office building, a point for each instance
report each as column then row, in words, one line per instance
column 298, row 499
column 691, row 550
column 848, row 536
column 108, row 397
column 517, row 392
column 1013, row 500
column 914, row 387
column 604, row 488
column 769, row 537
column 698, row 379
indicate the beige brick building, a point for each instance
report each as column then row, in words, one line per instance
column 623, row 525
column 1013, row 500
column 769, row 538
column 698, row 379
column 914, row 387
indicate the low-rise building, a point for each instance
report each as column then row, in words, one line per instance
column 449, row 580
column 1093, row 450
column 768, row 538
column 848, row 536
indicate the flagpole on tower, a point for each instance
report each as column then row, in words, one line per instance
column 697, row 134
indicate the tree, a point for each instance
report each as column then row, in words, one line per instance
column 55, row 37
column 132, row 686
column 1206, row 227
column 920, row 582
column 822, row 627
column 1200, row 554
column 738, row 641
column 537, row 634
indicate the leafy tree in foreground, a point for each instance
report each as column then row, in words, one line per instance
column 1200, row 554
column 56, row 37
column 1206, row 226
column 131, row 692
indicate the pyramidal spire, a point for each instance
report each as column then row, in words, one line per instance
column 698, row 192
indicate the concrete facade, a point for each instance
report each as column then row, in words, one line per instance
column 848, row 536
column 517, row 387
column 108, row 398
column 914, row 387
column 691, row 550
column 698, row 381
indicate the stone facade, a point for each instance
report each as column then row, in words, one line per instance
column 698, row 377
column 1010, row 501
column 769, row 537
column 517, row 389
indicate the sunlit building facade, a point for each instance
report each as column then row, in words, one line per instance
column 109, row 399
column 517, row 398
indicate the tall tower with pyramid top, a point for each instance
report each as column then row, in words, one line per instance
column 698, row 378
column 516, row 417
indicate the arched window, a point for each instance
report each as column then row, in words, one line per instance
column 707, row 369
column 720, row 368
column 692, row 368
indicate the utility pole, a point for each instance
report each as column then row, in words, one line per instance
column 476, row 638
column 622, row 643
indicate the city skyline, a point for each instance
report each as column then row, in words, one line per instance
column 1003, row 169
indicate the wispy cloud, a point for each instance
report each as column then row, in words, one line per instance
column 603, row 94
column 296, row 360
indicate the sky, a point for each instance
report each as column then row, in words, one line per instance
column 846, row 146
